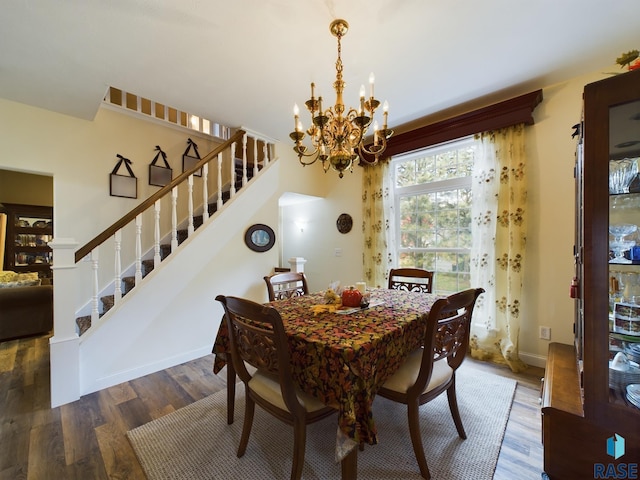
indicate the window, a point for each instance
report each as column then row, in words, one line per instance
column 432, row 197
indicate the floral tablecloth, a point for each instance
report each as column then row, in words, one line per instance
column 343, row 359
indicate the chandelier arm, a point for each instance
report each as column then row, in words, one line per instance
column 329, row 119
column 303, row 153
column 364, row 156
column 359, row 128
column 374, row 149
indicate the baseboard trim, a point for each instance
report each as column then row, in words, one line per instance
column 141, row 371
column 533, row 359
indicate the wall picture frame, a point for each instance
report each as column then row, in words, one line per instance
column 190, row 160
column 159, row 175
column 123, row 185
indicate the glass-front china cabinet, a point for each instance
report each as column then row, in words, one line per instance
column 591, row 390
column 29, row 230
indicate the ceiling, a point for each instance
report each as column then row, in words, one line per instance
column 245, row 63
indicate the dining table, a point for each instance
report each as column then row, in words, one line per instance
column 343, row 355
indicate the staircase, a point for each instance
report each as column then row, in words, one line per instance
column 242, row 175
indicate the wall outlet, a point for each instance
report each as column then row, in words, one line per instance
column 337, row 252
column 545, row 333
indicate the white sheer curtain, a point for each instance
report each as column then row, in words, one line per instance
column 499, row 213
column 377, row 224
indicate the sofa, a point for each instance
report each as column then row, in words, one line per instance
column 26, row 306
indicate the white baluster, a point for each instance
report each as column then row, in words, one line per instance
column 255, row 156
column 233, row 170
column 190, row 228
column 95, row 314
column 174, row 218
column 244, row 160
column 265, row 149
column 205, row 192
column 219, row 181
column 117, row 294
column 156, row 235
column 138, row 276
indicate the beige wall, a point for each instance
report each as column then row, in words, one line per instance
column 26, row 188
column 320, row 238
column 81, row 154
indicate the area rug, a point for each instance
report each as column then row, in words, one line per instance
column 195, row 442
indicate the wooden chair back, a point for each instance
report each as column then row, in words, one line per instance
column 447, row 334
column 257, row 338
column 411, row 279
column 286, row 285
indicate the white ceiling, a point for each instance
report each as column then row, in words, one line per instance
column 245, row 63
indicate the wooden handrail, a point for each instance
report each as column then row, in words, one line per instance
column 130, row 216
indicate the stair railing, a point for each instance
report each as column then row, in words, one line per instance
column 90, row 249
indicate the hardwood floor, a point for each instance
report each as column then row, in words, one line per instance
column 86, row 439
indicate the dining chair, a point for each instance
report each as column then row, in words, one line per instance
column 282, row 284
column 286, row 285
column 431, row 369
column 411, row 279
column 257, row 337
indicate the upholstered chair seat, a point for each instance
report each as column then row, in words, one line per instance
column 407, row 375
column 268, row 388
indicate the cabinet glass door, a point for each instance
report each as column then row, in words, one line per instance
column 624, row 254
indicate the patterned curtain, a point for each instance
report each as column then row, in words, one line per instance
column 498, row 247
column 377, row 224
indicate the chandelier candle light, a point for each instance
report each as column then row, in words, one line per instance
column 336, row 136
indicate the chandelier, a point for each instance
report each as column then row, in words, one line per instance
column 337, row 138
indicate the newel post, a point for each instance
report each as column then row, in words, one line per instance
column 64, row 345
column 297, row 264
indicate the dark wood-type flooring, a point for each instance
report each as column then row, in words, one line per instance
column 86, row 439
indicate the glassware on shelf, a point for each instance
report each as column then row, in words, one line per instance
column 616, row 291
column 625, row 202
column 622, row 230
column 619, row 245
column 619, row 248
column 621, row 174
column 631, row 287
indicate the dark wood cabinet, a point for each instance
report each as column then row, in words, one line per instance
column 590, row 427
column 29, row 230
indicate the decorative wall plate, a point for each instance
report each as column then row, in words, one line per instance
column 260, row 237
column 344, row 223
